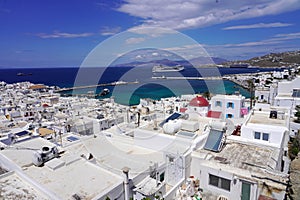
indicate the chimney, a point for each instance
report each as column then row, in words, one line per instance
column 126, row 183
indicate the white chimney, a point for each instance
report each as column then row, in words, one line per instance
column 126, row 182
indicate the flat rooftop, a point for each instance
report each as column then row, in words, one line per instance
column 116, row 152
column 228, row 96
column 22, row 153
column 79, row 177
column 244, row 160
column 244, row 156
column 264, row 118
column 13, row 186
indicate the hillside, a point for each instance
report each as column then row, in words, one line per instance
column 196, row 61
column 272, row 60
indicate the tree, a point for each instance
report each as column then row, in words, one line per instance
column 251, row 88
column 207, row 95
column 297, row 114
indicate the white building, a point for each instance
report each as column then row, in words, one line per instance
column 253, row 165
column 239, row 171
column 269, row 127
column 231, row 106
column 198, row 105
column 288, row 93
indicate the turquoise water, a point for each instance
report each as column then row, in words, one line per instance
column 131, row 94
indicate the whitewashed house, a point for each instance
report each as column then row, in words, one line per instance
column 251, row 166
column 288, row 93
column 231, row 106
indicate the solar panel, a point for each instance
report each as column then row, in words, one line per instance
column 172, row 117
column 214, row 140
column 72, row 138
column 23, row 133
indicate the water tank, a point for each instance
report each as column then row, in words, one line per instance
column 44, row 155
column 37, row 159
column 172, row 126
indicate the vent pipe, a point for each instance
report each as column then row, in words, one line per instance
column 126, row 183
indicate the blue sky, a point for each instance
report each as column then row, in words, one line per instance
column 58, row 33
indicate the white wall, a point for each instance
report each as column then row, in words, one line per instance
column 202, row 171
column 275, row 133
column 236, row 100
column 262, row 95
column 288, row 86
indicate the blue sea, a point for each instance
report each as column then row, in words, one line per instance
column 130, row 94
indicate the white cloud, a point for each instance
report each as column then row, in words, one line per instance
column 244, row 50
column 152, row 31
column 259, row 25
column 57, row 34
column 107, row 31
column 288, row 36
column 135, row 40
column 185, row 14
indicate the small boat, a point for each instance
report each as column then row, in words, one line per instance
column 104, row 92
column 163, row 68
column 24, row 74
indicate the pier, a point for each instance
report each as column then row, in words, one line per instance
column 231, row 77
column 117, row 83
column 188, row 78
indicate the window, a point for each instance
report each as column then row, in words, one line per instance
column 162, row 177
column 219, row 182
column 261, row 136
column 230, row 105
column 229, row 115
column 218, row 104
column 261, row 96
column 171, row 159
column 265, row 136
column 257, row 135
column 296, row 93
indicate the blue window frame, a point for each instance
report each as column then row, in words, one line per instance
column 261, row 136
column 230, row 105
column 265, row 136
column 257, row 135
column 229, row 115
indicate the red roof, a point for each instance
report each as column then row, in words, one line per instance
column 214, row 114
column 199, row 102
column 182, row 110
column 45, row 105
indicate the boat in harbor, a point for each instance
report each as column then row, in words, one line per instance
column 163, row 68
column 104, row 92
column 24, row 74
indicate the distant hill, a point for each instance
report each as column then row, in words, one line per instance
column 196, row 61
column 283, row 59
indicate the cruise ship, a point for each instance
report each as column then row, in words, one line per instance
column 163, row 68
